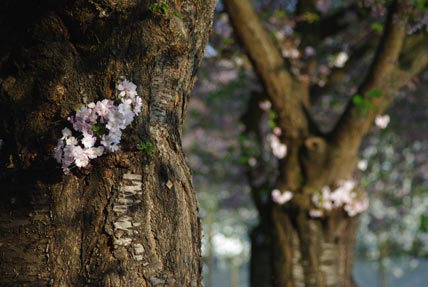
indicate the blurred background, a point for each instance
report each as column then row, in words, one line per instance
column 392, row 243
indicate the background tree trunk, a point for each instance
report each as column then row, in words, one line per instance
column 317, row 252
column 129, row 219
column 312, row 252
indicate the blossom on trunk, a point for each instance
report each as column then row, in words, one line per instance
column 343, row 196
column 97, row 123
column 279, row 149
column 281, row 198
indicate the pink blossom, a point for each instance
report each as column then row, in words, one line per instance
column 277, row 131
column 103, row 115
column 127, row 88
column 80, row 157
column 94, row 152
column 88, row 140
column 58, row 151
column 66, row 133
column 279, row 149
column 382, row 121
column 316, row 213
column 137, row 105
column 265, row 105
column 281, row 198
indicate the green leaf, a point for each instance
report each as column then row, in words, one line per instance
column 78, row 107
column 311, row 17
column 357, row 100
column 377, row 27
column 422, row 5
column 146, row 147
column 159, row 7
column 423, row 226
column 95, row 127
column 178, row 15
column 281, row 14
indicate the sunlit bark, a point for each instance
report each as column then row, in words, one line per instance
column 130, row 218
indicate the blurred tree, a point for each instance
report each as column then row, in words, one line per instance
column 130, row 219
column 309, row 221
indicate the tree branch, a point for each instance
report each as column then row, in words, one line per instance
column 269, row 66
column 354, row 123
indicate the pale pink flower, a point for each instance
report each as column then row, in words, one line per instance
column 138, row 103
column 68, row 157
column 340, row 59
column 252, row 162
column 279, row 149
column 103, row 108
column 80, row 157
column 71, row 141
column 277, row 131
column 88, row 140
column 66, row 133
column 94, row 152
column 362, row 164
column 357, row 206
column 316, row 213
column 309, row 51
column 265, row 105
column 127, row 88
column 382, row 121
column 102, row 114
column 281, row 198
column 58, row 151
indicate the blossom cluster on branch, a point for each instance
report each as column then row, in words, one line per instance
column 97, row 128
column 343, row 196
column 279, row 149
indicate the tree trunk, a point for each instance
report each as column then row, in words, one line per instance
column 260, row 261
column 130, row 218
column 313, row 252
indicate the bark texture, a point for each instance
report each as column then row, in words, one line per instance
column 129, row 219
column 306, row 251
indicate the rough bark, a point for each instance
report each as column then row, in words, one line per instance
column 308, row 251
column 129, row 219
column 313, row 253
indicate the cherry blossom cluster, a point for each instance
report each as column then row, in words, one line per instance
column 278, row 148
column 342, row 196
column 97, row 128
column 281, row 197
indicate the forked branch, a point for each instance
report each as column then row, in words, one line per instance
column 382, row 82
column 269, row 66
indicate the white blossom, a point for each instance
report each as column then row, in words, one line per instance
column 127, row 88
column 88, row 120
column 88, row 140
column 281, row 198
column 210, row 52
column 279, row 149
column 341, row 197
column 316, row 213
column 80, row 157
column 362, row 164
column 265, row 105
column 382, row 121
column 94, row 152
column 252, row 162
column 340, row 59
